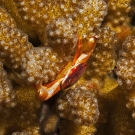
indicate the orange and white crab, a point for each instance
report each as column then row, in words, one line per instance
column 71, row 73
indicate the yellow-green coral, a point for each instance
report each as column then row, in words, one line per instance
column 85, row 15
column 118, row 19
column 28, row 131
column 61, row 35
column 88, row 15
column 120, row 120
column 131, row 101
column 67, row 127
column 117, row 10
column 125, row 65
column 12, row 9
column 39, row 13
column 7, row 94
column 40, row 63
column 13, row 42
column 24, row 114
column 79, row 105
column 109, row 84
column 13, row 48
column 6, row 18
column 102, row 61
column 58, row 24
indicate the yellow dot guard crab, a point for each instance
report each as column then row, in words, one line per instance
column 70, row 73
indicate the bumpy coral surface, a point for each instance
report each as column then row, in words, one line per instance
column 85, row 15
column 125, row 65
column 12, row 9
column 88, row 15
column 6, row 18
column 79, row 105
column 7, row 94
column 102, row 60
column 117, row 10
column 37, row 12
column 69, row 128
column 28, row 131
column 131, row 102
column 38, row 37
column 13, row 45
column 118, row 19
column 66, row 31
column 24, row 115
column 40, row 64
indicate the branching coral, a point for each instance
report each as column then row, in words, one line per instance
column 94, row 104
column 131, row 101
column 125, row 65
column 66, row 31
column 46, row 11
column 12, row 9
column 12, row 47
column 118, row 19
column 13, row 42
column 117, row 10
column 67, row 127
column 88, row 15
column 85, row 15
column 7, row 94
column 40, row 13
column 126, row 70
column 102, row 62
column 28, row 131
column 79, row 105
column 40, row 64
column 6, row 18
column 23, row 116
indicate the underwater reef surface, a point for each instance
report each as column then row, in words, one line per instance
column 77, row 57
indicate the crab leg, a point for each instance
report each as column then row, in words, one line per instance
column 87, row 50
column 71, row 73
column 79, row 49
column 44, row 92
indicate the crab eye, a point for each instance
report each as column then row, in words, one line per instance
column 41, row 94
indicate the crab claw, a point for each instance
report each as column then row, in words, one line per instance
column 45, row 92
column 41, row 93
column 90, row 44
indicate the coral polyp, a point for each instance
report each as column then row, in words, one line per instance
column 79, row 105
column 125, row 64
column 61, row 35
column 40, row 63
column 7, row 94
column 102, row 62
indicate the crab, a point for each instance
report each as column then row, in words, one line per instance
column 70, row 73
